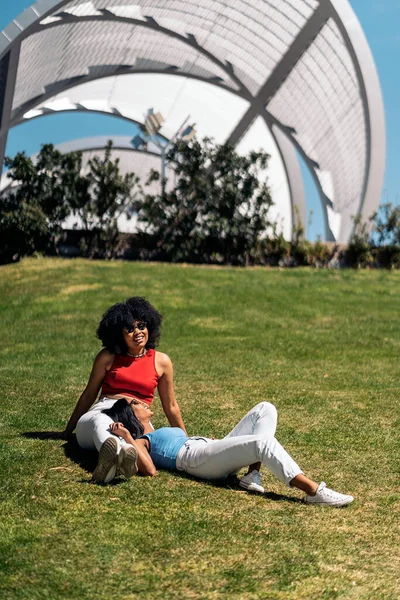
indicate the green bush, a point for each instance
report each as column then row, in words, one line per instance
column 320, row 254
column 273, row 251
column 217, row 211
column 300, row 248
column 359, row 251
column 33, row 209
column 387, row 257
column 47, row 191
column 23, row 229
column 110, row 194
column 387, row 225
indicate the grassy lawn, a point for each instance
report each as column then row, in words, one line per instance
column 323, row 346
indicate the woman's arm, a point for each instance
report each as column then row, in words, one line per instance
column 144, row 462
column 166, row 391
column 102, row 363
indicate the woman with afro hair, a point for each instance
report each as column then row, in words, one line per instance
column 127, row 367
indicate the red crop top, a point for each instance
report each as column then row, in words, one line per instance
column 135, row 377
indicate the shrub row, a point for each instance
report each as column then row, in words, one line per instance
column 216, row 213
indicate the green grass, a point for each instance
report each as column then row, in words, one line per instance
column 323, row 346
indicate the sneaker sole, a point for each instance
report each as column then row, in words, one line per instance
column 252, row 487
column 106, row 468
column 128, row 462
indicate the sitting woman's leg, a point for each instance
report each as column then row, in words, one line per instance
column 93, row 433
column 93, row 429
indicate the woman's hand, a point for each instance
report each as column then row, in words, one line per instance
column 145, row 464
column 119, row 429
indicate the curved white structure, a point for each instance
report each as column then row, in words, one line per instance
column 285, row 75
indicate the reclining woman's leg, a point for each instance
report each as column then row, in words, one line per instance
column 260, row 420
column 93, row 432
column 215, row 459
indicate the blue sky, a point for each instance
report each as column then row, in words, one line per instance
column 380, row 20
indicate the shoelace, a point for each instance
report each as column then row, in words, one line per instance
column 256, row 477
column 327, row 492
column 331, row 493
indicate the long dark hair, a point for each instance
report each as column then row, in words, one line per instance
column 121, row 412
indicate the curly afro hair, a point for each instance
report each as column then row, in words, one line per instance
column 121, row 316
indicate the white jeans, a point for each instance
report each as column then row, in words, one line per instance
column 93, row 428
column 251, row 441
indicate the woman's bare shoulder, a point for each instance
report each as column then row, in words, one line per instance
column 163, row 359
column 104, row 358
column 163, row 363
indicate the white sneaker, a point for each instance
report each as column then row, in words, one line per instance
column 252, row 482
column 127, row 461
column 106, row 468
column 325, row 495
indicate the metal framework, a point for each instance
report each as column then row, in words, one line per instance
column 300, row 68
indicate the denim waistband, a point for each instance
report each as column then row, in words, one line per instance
column 180, row 458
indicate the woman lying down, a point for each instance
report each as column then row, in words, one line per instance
column 251, row 442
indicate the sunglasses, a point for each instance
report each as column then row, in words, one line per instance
column 141, row 325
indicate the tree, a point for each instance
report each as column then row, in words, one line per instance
column 33, row 209
column 387, row 230
column 110, row 195
column 45, row 192
column 23, row 228
column 387, row 225
column 358, row 253
column 218, row 210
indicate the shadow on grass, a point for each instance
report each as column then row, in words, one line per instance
column 232, row 483
column 87, row 460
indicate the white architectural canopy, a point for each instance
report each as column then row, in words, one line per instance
column 289, row 76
